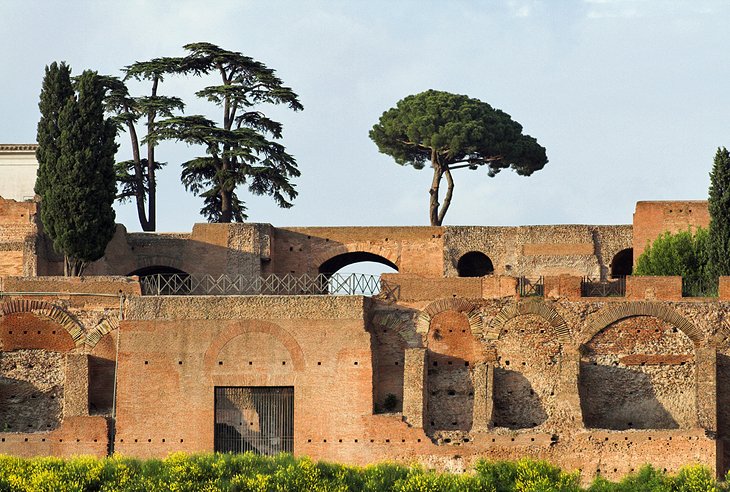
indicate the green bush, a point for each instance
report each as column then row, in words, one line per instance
column 248, row 472
column 683, row 254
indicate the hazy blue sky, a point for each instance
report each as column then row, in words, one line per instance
column 629, row 97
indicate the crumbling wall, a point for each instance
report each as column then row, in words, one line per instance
column 639, row 373
column 538, row 250
column 527, row 373
column 31, row 390
column 17, row 237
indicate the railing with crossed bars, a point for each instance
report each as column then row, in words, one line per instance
column 180, row 284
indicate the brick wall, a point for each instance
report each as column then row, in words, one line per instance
column 651, row 219
column 666, row 288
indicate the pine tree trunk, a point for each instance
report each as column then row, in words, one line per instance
column 226, row 206
column 433, row 209
column 151, row 224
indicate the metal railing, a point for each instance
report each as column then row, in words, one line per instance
column 531, row 287
column 699, row 287
column 180, row 284
column 595, row 287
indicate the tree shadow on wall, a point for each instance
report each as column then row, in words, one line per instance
column 26, row 408
column 619, row 398
column 516, row 404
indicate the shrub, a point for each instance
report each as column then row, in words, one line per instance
column 249, row 472
column 683, row 254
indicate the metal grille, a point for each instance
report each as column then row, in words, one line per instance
column 595, row 287
column 531, row 287
column 699, row 287
column 180, row 284
column 254, row 418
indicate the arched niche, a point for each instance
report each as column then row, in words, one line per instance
column 639, row 372
column 453, row 352
column 391, row 334
column 35, row 338
column 474, row 264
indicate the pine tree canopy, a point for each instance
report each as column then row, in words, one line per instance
column 450, row 131
column 241, row 148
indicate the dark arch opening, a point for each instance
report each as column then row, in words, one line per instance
column 336, row 263
column 474, row 264
column 156, row 270
column 623, row 263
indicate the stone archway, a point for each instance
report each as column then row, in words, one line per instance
column 46, row 310
column 539, row 308
column 472, row 312
column 600, row 320
column 337, row 262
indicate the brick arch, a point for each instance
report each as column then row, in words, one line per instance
column 46, row 310
column 471, row 311
column 106, row 325
column 609, row 315
column 539, row 308
column 251, row 326
column 401, row 326
column 340, row 249
column 159, row 260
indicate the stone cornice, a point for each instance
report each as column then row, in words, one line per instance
column 18, row 147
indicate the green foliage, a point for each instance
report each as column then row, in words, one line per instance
column 76, row 166
column 719, row 208
column 689, row 479
column 241, row 149
column 451, row 131
column 254, row 473
column 683, row 254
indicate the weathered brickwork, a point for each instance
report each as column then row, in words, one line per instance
column 442, row 369
column 651, row 219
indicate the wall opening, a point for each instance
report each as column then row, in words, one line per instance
column 623, row 263
column 639, row 373
column 343, row 263
column 356, row 273
column 388, row 365
column 259, row 419
column 527, row 373
column 474, row 264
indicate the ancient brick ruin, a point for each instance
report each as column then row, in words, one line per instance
column 494, row 342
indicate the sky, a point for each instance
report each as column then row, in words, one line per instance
column 629, row 97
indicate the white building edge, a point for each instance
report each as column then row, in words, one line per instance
column 18, row 168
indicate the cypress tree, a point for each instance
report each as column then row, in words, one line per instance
column 76, row 175
column 55, row 92
column 719, row 205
